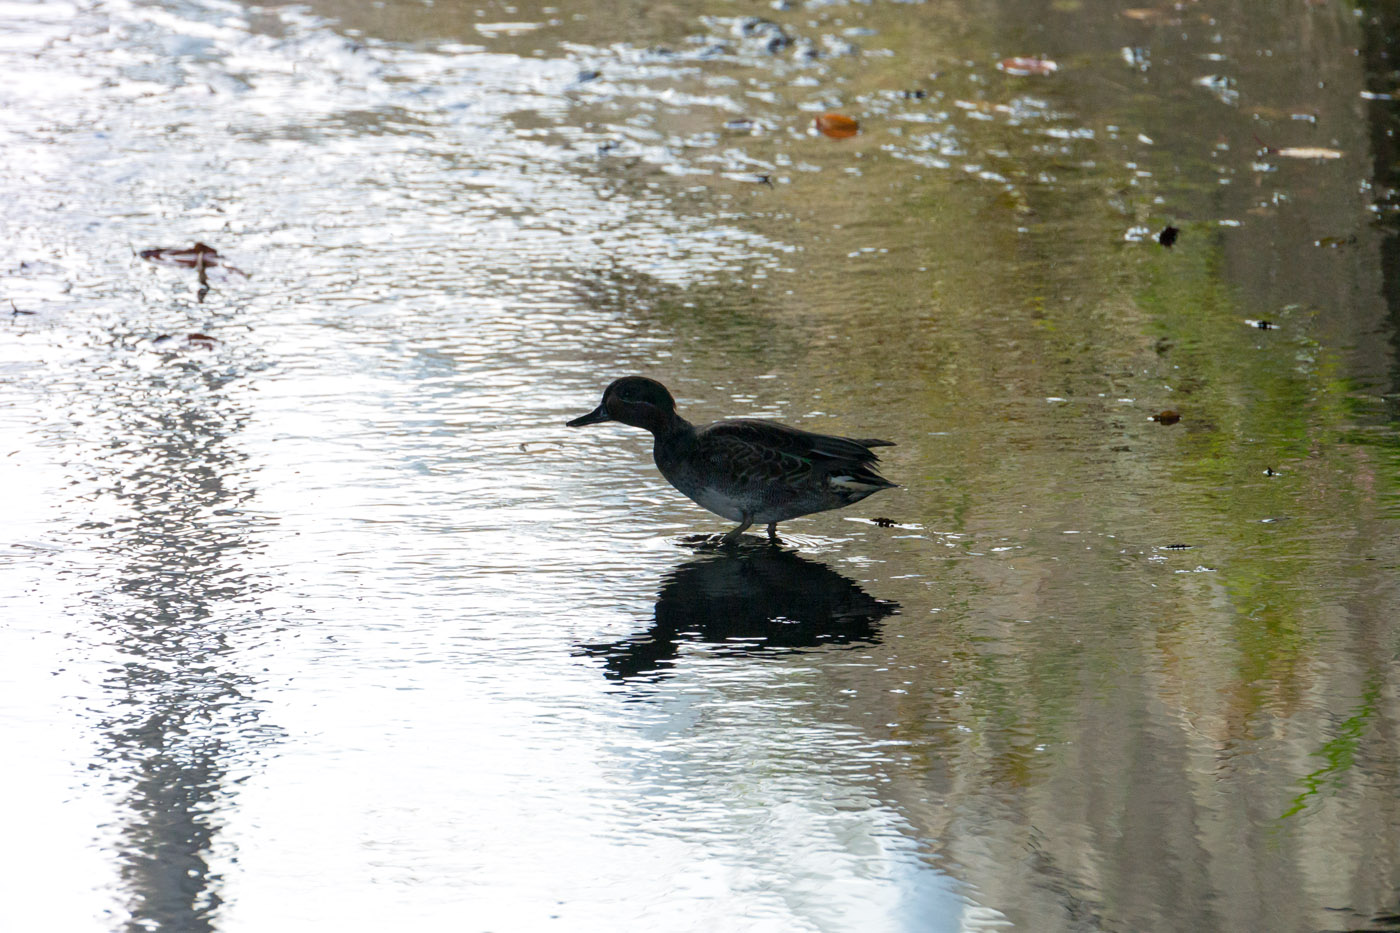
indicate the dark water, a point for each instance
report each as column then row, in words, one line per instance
column 322, row 619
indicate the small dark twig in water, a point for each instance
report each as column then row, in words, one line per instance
column 16, row 312
column 199, row 266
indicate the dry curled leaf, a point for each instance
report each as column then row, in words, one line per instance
column 836, row 126
column 1028, row 67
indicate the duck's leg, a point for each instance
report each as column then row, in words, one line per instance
column 773, row 532
column 731, row 536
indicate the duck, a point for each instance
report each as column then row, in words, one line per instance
column 747, row 470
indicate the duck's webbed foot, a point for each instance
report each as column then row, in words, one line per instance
column 732, row 536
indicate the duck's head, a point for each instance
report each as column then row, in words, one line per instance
column 634, row 400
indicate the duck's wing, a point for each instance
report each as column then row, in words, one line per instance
column 753, row 450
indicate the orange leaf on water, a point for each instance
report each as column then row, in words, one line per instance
column 836, row 126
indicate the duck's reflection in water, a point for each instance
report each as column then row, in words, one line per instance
column 749, row 599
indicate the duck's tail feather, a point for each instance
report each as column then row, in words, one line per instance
column 861, row 480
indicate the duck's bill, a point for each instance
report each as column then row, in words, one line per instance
column 593, row 417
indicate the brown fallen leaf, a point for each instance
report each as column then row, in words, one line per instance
column 836, row 126
column 1028, row 67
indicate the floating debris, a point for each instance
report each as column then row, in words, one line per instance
column 1027, row 67
column 753, row 178
column 200, row 257
column 1262, row 325
column 1300, row 152
column 1153, row 16
column 1168, row 236
column 1335, row 242
column 1307, row 152
column 16, row 312
column 1167, row 417
column 836, row 126
column 201, row 341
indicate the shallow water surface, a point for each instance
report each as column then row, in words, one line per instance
column 313, row 615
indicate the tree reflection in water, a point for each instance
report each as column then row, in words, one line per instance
column 173, row 590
